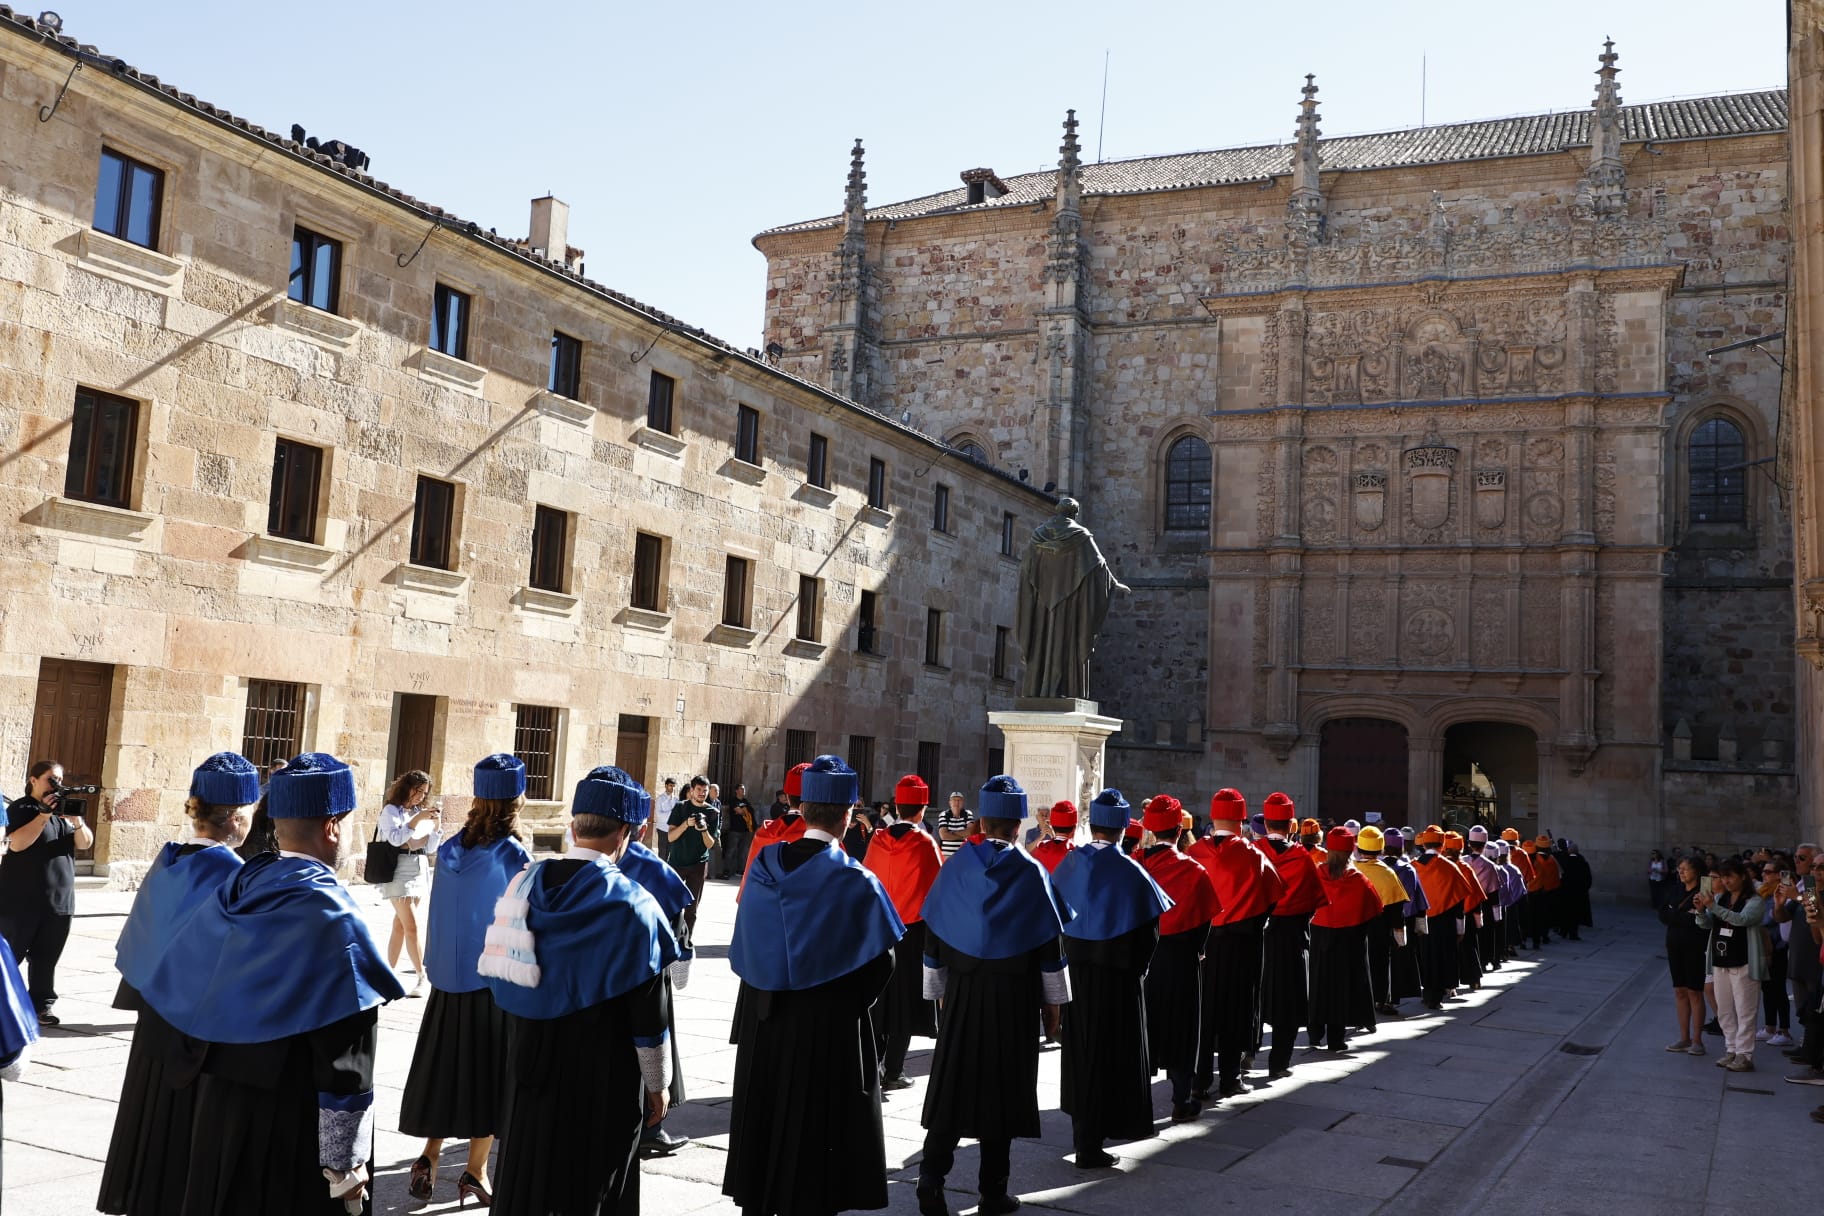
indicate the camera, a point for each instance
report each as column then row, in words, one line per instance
column 71, row 791
column 699, row 822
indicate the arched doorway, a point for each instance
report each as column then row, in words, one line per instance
column 1491, row 777
column 1361, row 771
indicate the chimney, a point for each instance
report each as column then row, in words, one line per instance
column 550, row 228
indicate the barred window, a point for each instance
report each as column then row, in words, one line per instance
column 1718, row 485
column 1187, row 486
column 274, row 722
column 535, row 742
column 800, row 747
column 726, row 743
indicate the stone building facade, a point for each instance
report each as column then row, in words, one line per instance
column 1436, row 495
column 418, row 493
column 1802, row 454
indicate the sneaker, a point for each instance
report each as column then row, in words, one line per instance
column 1779, row 1038
column 1742, row 1063
column 1762, row 1035
column 1681, row 1045
column 1725, row 1059
column 1806, row 1076
column 1696, row 1048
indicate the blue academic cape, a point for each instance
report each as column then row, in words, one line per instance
column 660, row 881
column 993, row 902
column 18, row 1020
column 280, row 949
column 597, row 936
column 469, row 880
column 173, row 889
column 1108, row 893
column 815, row 924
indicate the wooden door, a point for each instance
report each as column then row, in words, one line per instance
column 1362, row 768
column 412, row 740
column 70, row 725
column 630, row 750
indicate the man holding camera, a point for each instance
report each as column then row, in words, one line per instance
column 693, row 828
column 38, row 879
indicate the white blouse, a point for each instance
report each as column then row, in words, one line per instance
column 397, row 829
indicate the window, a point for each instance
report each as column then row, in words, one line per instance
column 433, row 524
column 1007, row 534
column 1187, row 486
column 297, row 470
column 877, row 483
column 861, row 759
column 648, row 572
column 735, row 578
column 934, row 637
column 1003, row 636
column 566, row 366
column 817, row 466
column 931, row 766
column 940, row 508
column 867, row 633
column 800, row 747
column 810, row 608
column 1718, row 479
column 726, row 743
column 273, row 726
column 535, row 733
column 658, row 402
column 550, row 540
column 450, row 322
column 973, row 450
column 316, row 269
column 128, row 199
column 747, row 434
column 102, row 432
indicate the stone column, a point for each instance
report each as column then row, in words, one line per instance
column 1424, row 778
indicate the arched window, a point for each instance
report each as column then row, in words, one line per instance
column 1187, row 485
column 972, row 450
column 1718, row 476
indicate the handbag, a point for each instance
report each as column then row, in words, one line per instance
column 382, row 859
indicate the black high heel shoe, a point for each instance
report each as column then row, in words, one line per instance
column 469, row 1187
column 422, row 1181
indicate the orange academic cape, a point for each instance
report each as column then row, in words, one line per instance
column 1547, row 865
column 1444, row 885
column 1523, row 861
column 1247, row 884
column 1193, row 898
column 906, row 865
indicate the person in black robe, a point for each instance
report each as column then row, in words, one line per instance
column 1110, row 935
column 576, row 958
column 1574, row 897
column 1341, row 994
column 992, row 956
column 1443, row 887
column 277, row 983
column 1174, row 979
column 144, row 1174
column 905, row 858
column 1285, row 999
column 1407, row 979
column 813, row 945
column 1246, row 887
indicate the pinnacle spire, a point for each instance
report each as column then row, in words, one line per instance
column 1069, row 161
column 1605, row 182
column 1070, row 169
column 1305, row 207
column 855, row 200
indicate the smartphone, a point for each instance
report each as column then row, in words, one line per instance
column 1704, row 884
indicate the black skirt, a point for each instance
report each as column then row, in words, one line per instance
column 1340, row 993
column 1174, row 995
column 1229, row 1021
column 985, row 1071
column 902, row 1010
column 1406, row 973
column 1107, row 1068
column 144, row 1174
column 456, row 1088
column 1284, row 998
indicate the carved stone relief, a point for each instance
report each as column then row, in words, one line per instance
column 1367, row 621
column 1491, row 498
column 1488, row 607
column 1430, row 473
column 1370, row 501
column 1430, row 629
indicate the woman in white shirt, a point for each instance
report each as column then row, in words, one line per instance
column 410, row 826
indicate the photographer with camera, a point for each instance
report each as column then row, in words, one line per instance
column 38, row 879
column 693, row 827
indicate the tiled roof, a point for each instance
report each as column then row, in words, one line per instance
column 1661, row 121
column 89, row 56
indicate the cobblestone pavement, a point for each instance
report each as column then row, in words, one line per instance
column 1547, row 1091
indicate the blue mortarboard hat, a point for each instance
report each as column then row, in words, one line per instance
column 226, row 779
column 315, row 785
column 1109, row 811
column 500, row 776
column 613, row 794
column 1001, row 798
column 830, row 780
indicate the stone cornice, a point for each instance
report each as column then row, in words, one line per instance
column 1554, row 281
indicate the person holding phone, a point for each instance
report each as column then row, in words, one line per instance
column 409, row 822
column 1735, row 959
column 38, row 881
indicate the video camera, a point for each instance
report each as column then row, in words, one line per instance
column 72, row 791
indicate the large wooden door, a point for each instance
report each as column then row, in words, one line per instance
column 417, row 726
column 630, row 748
column 1362, row 768
column 70, row 725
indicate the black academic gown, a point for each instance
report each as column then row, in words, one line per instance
column 1574, row 892
column 903, row 1011
column 576, row 1099
column 985, row 1072
column 804, row 1134
column 1381, row 952
column 1107, row 1066
column 1174, row 991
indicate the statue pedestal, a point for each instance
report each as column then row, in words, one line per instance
column 1055, row 748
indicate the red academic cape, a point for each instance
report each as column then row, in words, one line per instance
column 1304, row 894
column 1193, row 898
column 1050, row 852
column 906, row 865
column 1353, row 900
column 787, row 828
column 1444, row 885
column 1246, row 883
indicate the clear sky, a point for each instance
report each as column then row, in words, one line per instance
column 676, row 131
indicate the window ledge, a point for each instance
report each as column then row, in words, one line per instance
column 124, row 262
column 872, row 656
column 741, row 470
column 547, row 603
column 645, row 619
column 324, row 328
column 880, row 517
column 658, row 441
column 94, row 519
column 733, row 635
column 937, row 669
column 287, row 554
column 943, row 539
column 804, row 648
column 563, row 409
column 439, row 368
column 429, row 579
column 816, row 496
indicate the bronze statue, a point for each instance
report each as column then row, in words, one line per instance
column 1065, row 587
